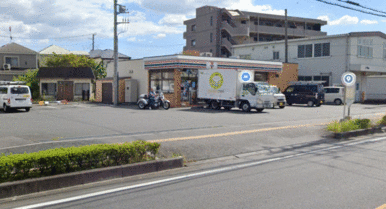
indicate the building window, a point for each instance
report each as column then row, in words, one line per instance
column 384, row 50
column 365, row 48
column 276, row 55
column 162, row 81
column 305, row 78
column 193, row 27
column 80, row 87
column 243, row 22
column 49, row 89
column 245, row 56
column 13, row 61
column 211, row 20
column 211, row 37
column 322, row 50
column 305, row 51
column 193, row 43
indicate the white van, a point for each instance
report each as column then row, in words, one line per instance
column 13, row 95
column 279, row 98
column 334, row 94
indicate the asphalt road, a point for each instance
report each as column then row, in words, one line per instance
column 194, row 133
column 342, row 175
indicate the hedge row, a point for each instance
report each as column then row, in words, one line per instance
column 354, row 124
column 64, row 160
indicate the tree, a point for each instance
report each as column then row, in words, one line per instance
column 72, row 60
column 30, row 78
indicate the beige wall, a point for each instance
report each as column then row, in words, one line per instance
column 134, row 69
column 288, row 74
column 74, row 80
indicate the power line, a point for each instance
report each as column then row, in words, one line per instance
column 357, row 4
column 358, row 10
column 65, row 37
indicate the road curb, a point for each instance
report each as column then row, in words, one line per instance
column 17, row 188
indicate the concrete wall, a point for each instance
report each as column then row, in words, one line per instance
column 313, row 66
column 203, row 30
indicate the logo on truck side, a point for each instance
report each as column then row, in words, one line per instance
column 216, row 80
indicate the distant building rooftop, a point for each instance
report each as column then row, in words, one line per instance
column 106, row 54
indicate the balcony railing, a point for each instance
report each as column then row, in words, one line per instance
column 281, row 31
column 235, row 31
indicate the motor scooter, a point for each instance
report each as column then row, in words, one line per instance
column 144, row 102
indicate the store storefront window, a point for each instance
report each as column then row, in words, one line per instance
column 189, row 85
column 162, row 81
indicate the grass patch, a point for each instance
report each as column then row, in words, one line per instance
column 350, row 125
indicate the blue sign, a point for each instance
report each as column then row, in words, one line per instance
column 245, row 76
column 348, row 79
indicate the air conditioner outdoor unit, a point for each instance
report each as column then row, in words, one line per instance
column 7, row 67
column 206, row 54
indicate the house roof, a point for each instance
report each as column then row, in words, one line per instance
column 59, row 50
column 65, row 72
column 14, row 48
column 106, row 54
column 54, row 49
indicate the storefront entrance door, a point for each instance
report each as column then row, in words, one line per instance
column 189, row 86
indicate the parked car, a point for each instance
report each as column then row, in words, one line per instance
column 279, row 98
column 310, row 93
column 13, row 95
column 334, row 94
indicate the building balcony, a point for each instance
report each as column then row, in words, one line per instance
column 235, row 31
column 281, row 31
column 226, row 44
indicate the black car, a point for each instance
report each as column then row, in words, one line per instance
column 305, row 93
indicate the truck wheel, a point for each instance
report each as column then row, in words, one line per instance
column 214, row 105
column 227, row 108
column 27, row 109
column 281, row 107
column 310, row 103
column 259, row 109
column 246, row 107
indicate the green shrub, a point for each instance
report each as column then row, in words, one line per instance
column 64, row 160
column 349, row 125
column 382, row 121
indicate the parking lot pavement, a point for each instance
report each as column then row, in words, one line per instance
column 197, row 133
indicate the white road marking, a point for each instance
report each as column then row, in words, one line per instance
column 214, row 171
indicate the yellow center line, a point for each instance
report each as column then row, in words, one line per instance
column 234, row 133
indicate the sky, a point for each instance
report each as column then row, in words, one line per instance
column 155, row 26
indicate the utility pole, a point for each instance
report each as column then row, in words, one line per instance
column 122, row 9
column 286, row 37
column 10, row 34
column 93, row 41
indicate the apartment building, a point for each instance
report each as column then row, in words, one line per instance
column 327, row 58
column 215, row 30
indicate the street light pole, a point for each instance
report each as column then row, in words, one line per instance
column 115, row 77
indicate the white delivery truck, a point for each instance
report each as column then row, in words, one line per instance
column 233, row 88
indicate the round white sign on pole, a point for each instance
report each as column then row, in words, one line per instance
column 348, row 79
